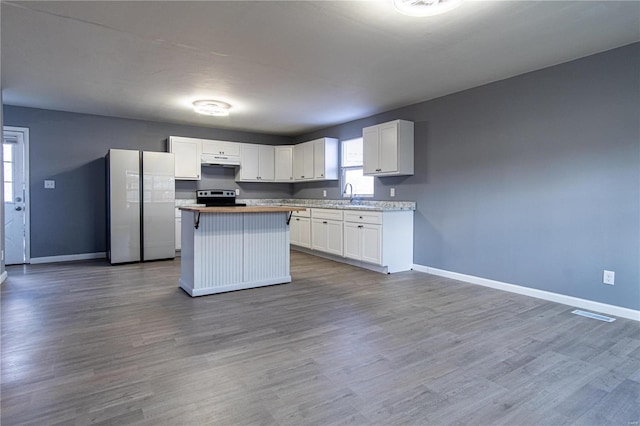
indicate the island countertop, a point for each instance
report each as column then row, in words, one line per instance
column 244, row 209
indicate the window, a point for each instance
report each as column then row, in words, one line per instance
column 351, row 170
column 8, row 172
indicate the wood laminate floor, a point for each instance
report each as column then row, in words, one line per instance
column 86, row 343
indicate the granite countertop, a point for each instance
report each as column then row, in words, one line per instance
column 187, row 202
column 322, row 204
column 338, row 204
column 240, row 209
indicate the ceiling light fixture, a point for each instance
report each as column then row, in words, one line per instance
column 215, row 108
column 425, row 7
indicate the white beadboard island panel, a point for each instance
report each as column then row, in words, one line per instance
column 233, row 251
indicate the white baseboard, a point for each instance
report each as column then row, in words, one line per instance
column 540, row 294
column 68, row 258
column 3, row 276
column 194, row 292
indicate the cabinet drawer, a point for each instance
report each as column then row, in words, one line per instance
column 360, row 216
column 330, row 214
column 304, row 213
column 220, row 147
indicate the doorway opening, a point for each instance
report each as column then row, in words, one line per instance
column 15, row 167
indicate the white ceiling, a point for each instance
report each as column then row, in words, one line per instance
column 287, row 67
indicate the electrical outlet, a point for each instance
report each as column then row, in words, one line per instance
column 392, row 192
column 49, row 184
column 237, row 191
column 608, row 277
column 324, row 193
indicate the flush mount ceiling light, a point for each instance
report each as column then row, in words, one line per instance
column 215, row 108
column 425, row 7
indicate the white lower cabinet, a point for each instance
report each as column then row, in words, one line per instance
column 378, row 240
column 326, row 231
column 178, row 218
column 178, row 233
column 327, row 236
column 363, row 242
column 300, row 229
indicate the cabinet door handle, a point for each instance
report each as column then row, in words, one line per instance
column 324, row 221
column 297, row 218
column 321, row 174
column 360, row 217
column 360, row 226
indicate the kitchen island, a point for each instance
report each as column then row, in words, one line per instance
column 234, row 248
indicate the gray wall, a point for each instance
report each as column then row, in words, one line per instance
column 2, row 266
column 70, row 149
column 534, row 180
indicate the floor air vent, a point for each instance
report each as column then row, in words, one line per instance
column 592, row 315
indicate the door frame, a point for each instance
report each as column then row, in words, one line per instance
column 24, row 133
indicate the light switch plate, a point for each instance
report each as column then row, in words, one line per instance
column 49, row 184
column 237, row 191
column 392, row 192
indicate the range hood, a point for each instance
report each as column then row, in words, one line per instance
column 220, row 160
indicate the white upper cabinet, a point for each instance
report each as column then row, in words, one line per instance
column 316, row 160
column 325, row 159
column 256, row 163
column 284, row 163
column 388, row 149
column 303, row 161
column 187, row 154
column 267, row 162
column 220, row 147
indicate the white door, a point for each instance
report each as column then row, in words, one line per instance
column 15, row 142
column 307, row 165
column 305, row 232
column 294, row 231
column 266, row 162
column 370, row 152
column 334, row 237
column 298, row 161
column 187, row 152
column 388, row 154
column 250, row 162
column 284, row 163
column 352, row 241
column 319, row 234
column 318, row 159
column 158, row 196
column 372, row 243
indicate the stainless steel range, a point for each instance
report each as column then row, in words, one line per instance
column 217, row 198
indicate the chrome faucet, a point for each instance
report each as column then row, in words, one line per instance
column 350, row 193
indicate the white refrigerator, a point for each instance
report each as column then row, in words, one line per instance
column 140, row 205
